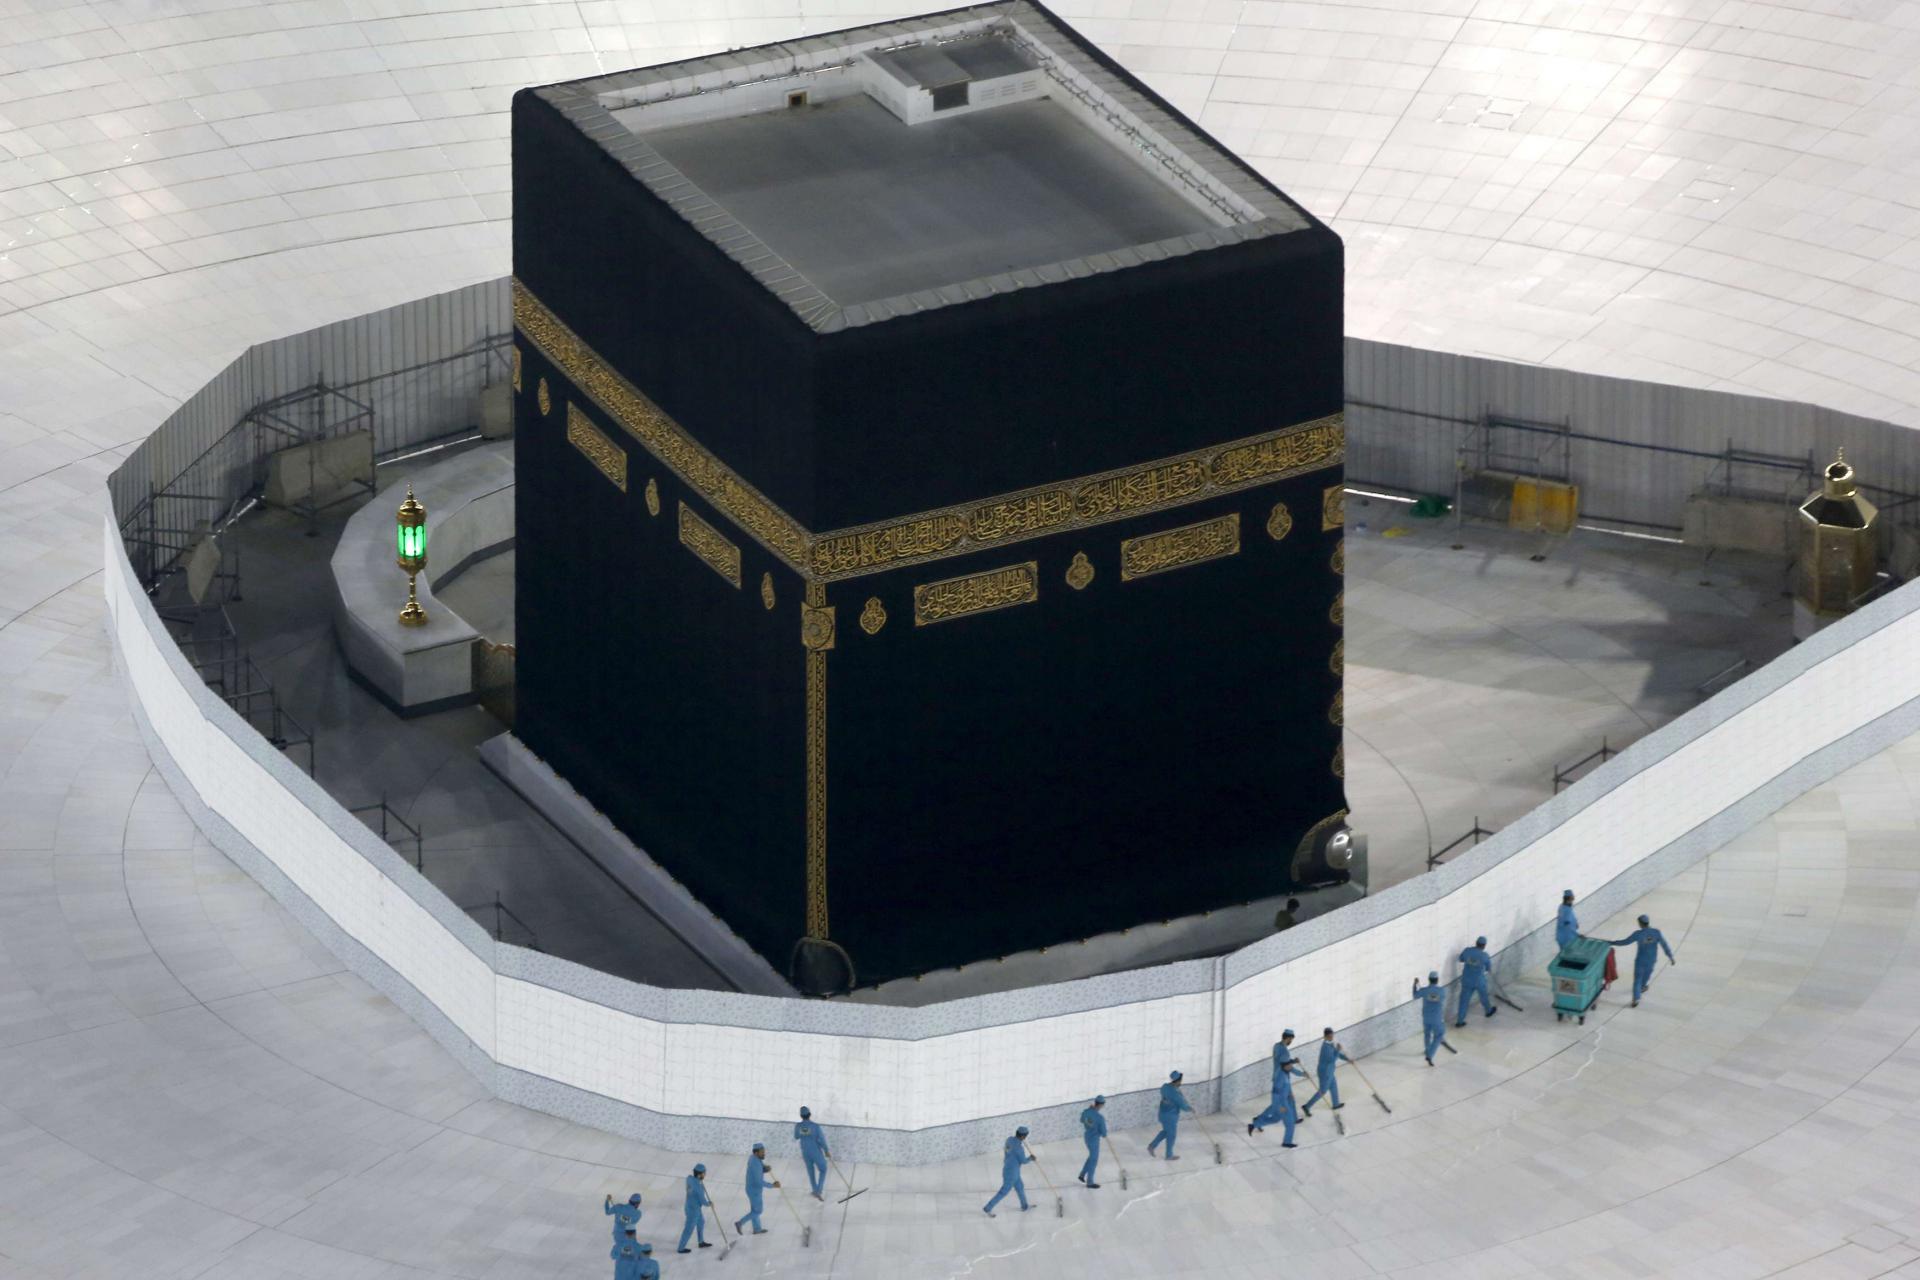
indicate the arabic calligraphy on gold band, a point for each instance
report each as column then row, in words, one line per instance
column 709, row 546
column 842, row 553
column 603, row 453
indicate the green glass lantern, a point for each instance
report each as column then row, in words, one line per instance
column 410, row 533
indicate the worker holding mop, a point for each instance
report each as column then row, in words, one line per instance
column 1016, row 1155
column 1172, row 1103
column 1093, row 1127
column 1433, row 1013
column 1475, row 966
column 1331, row 1054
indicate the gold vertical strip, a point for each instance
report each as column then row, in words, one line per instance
column 816, row 777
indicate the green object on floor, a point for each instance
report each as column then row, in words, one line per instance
column 1430, row 506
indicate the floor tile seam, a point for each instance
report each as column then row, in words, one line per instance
column 1752, row 1146
column 260, row 1045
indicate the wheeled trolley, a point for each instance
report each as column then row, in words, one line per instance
column 1578, row 975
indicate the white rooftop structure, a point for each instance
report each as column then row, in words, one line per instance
column 906, row 165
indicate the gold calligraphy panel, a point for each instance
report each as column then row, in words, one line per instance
column 1288, row 453
column 603, row 453
column 644, row 421
column 929, row 535
column 706, row 542
column 1178, row 548
column 976, row 593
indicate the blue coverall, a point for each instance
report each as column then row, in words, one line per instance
column 1172, row 1103
column 1010, row 1174
column 649, row 1269
column 757, row 1184
column 813, row 1151
column 1650, row 942
column 1433, row 1016
column 1475, row 965
column 1094, row 1122
column 1567, row 927
column 624, row 1215
column 1280, row 1105
column 697, row 1203
column 1330, row 1054
column 626, row 1260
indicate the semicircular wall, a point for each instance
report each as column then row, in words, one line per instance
column 700, row 1070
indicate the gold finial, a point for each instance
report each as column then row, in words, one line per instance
column 1838, row 476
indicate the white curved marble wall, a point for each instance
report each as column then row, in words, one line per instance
column 699, row 1070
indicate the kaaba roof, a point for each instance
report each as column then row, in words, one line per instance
column 893, row 169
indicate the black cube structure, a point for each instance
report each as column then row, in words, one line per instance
column 929, row 511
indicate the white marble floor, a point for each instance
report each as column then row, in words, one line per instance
column 191, row 1087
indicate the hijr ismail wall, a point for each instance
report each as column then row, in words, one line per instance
column 969, row 631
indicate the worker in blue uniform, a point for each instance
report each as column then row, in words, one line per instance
column 625, row 1216
column 1433, row 1013
column 757, row 1183
column 1476, row 966
column 649, row 1269
column 1280, row 1102
column 1649, row 943
column 1331, row 1054
column 1566, row 927
column 1172, row 1103
column 697, row 1202
column 1093, row 1127
column 1015, row 1155
column 813, row 1152
column 626, row 1257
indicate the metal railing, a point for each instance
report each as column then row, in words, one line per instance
column 1563, row 774
column 501, row 914
column 389, row 815
column 1476, row 835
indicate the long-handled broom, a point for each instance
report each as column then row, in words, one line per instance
column 806, row 1232
column 1116, row 1164
column 1219, row 1156
column 851, row 1193
column 1370, row 1089
column 1059, row 1205
column 726, row 1240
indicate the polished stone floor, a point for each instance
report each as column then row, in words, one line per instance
column 191, row 1087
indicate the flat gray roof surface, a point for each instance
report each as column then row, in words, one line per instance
column 866, row 207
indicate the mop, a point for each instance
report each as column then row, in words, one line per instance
column 1500, row 994
column 726, row 1241
column 1219, row 1156
column 1116, row 1164
column 1059, row 1205
column 1370, row 1089
column 851, row 1193
column 806, row 1232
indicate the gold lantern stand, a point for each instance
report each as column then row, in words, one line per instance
column 411, row 539
column 1839, row 550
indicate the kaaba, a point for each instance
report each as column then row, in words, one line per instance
column 929, row 459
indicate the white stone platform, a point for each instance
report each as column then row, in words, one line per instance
column 469, row 499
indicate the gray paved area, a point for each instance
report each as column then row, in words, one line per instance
column 1471, row 673
column 191, row 1087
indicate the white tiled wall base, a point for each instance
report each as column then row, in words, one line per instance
column 920, row 1084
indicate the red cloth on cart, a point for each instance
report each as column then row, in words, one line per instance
column 1613, row 970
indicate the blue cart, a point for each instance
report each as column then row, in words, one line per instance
column 1577, row 975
